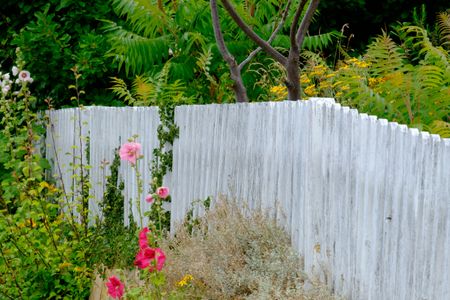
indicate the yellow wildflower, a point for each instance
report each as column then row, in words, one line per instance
column 338, row 94
column 362, row 64
column 325, row 85
column 304, row 79
column 64, row 265
column 279, row 91
column 185, row 280
column 310, row 90
column 318, row 70
column 373, row 81
column 331, row 75
column 337, row 83
column 345, row 87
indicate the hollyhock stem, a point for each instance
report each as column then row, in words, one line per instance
column 140, row 192
column 159, row 218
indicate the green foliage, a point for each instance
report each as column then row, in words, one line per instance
column 151, row 90
column 157, row 90
column 406, row 82
column 114, row 244
column 443, row 26
column 363, row 19
column 43, row 250
column 55, row 36
column 179, row 34
column 113, row 201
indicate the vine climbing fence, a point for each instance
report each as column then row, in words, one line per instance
column 365, row 201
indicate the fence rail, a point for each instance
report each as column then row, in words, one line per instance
column 366, row 201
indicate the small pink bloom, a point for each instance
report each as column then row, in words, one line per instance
column 130, row 152
column 143, row 242
column 163, row 192
column 25, row 76
column 149, row 198
column 115, row 287
column 144, row 257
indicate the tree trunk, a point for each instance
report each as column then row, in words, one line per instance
column 293, row 76
column 238, row 85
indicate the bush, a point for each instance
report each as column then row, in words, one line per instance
column 233, row 254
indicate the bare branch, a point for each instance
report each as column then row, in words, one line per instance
column 271, row 38
column 235, row 72
column 301, row 32
column 219, row 36
column 252, row 35
column 292, row 34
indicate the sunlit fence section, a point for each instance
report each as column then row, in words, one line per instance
column 366, row 202
column 103, row 130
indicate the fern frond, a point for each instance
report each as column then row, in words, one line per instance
column 120, row 88
column 193, row 39
column 362, row 97
column 384, row 56
column 321, row 41
column 182, row 69
column 137, row 53
column 419, row 38
column 203, row 63
column 430, row 77
column 143, row 89
column 443, row 21
column 439, row 127
column 312, row 58
column 144, row 17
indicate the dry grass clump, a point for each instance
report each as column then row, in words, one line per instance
column 236, row 255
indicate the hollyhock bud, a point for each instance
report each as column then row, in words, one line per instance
column 149, row 198
column 15, row 71
column 143, row 241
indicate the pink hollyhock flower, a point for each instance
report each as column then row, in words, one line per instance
column 24, row 76
column 143, row 242
column 115, row 287
column 130, row 152
column 160, row 258
column 149, row 198
column 144, row 257
column 163, row 192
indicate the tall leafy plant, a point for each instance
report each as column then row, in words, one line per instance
column 43, row 251
column 406, row 81
column 58, row 36
column 181, row 34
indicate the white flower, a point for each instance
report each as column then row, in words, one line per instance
column 24, row 76
column 6, row 89
column 6, row 76
column 15, row 71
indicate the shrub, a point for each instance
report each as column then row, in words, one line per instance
column 232, row 254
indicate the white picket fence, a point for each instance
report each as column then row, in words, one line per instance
column 107, row 128
column 366, row 201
